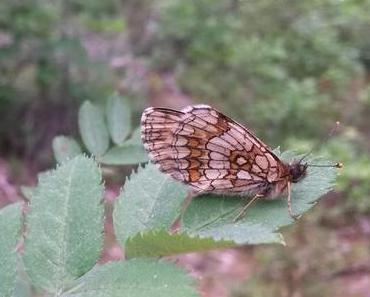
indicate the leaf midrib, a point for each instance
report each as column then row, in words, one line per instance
column 63, row 250
column 96, row 127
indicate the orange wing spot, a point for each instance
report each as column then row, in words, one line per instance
column 195, row 153
column 200, row 134
column 194, row 164
column 222, row 123
column 193, row 142
column 241, row 159
column 235, row 155
column 205, row 154
column 194, row 175
column 247, row 167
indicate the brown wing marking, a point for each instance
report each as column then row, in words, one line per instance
column 207, row 150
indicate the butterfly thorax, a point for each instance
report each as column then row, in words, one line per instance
column 297, row 171
column 289, row 173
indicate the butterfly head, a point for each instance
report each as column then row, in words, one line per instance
column 297, row 171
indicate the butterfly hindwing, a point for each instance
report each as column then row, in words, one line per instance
column 208, row 151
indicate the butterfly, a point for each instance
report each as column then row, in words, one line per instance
column 212, row 153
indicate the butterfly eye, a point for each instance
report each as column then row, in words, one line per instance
column 298, row 172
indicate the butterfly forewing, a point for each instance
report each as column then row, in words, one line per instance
column 209, row 151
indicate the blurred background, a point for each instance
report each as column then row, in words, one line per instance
column 287, row 69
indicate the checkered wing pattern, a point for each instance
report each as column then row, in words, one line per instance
column 209, row 151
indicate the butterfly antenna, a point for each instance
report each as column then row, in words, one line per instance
column 321, row 142
column 336, row 165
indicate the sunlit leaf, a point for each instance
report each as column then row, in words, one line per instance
column 93, row 128
column 27, row 192
column 65, row 224
column 135, row 137
column 125, row 155
column 158, row 243
column 65, row 148
column 149, row 200
column 22, row 285
column 135, row 278
column 10, row 225
column 118, row 118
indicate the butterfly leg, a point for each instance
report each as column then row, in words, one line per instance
column 294, row 217
column 244, row 209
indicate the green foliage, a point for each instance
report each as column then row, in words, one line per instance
column 27, row 192
column 65, row 225
column 125, row 154
column 10, row 225
column 95, row 129
column 134, row 278
column 28, row 19
column 22, row 288
column 46, row 69
column 150, row 202
column 64, row 240
column 288, row 72
column 264, row 59
column 353, row 179
column 118, row 118
column 65, row 148
column 150, row 199
column 41, row 49
column 159, row 243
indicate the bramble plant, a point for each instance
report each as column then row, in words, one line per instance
column 64, row 225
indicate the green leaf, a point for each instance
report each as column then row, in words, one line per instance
column 65, row 224
column 22, row 288
column 65, row 148
column 27, row 192
column 135, row 137
column 118, row 117
column 135, row 278
column 93, row 128
column 158, row 243
column 212, row 216
column 149, row 200
column 130, row 152
column 127, row 154
column 10, row 225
